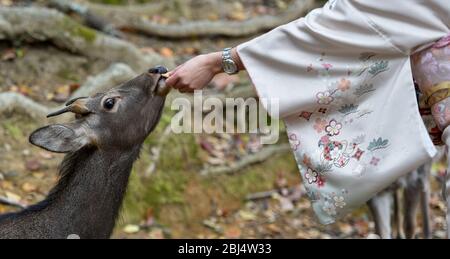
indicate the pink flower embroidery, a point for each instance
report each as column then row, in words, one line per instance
column 327, row 66
column 320, row 182
column 359, row 153
column 295, row 142
column 334, row 128
column 324, row 140
column 311, row 176
column 344, row 85
column 306, row 115
column 324, row 98
column 320, row 125
column 375, row 161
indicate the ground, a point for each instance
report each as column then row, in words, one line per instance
column 173, row 200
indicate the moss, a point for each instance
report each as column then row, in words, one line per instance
column 78, row 30
column 68, row 74
column 13, row 130
column 88, row 34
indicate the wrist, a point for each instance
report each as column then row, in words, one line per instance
column 215, row 62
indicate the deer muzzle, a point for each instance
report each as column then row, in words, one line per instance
column 161, row 88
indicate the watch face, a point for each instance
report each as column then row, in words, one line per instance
column 229, row 66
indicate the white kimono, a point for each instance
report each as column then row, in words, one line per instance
column 343, row 78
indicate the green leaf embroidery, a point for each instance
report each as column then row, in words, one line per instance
column 378, row 144
column 349, row 109
column 364, row 89
column 379, row 67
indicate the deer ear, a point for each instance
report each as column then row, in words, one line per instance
column 59, row 139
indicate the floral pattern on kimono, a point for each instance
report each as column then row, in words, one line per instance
column 343, row 78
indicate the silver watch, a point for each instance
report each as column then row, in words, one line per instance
column 228, row 64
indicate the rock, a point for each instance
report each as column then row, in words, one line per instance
column 7, row 147
column 131, row 229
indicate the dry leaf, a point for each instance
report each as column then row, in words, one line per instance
column 33, row 165
column 166, row 52
column 9, row 54
column 232, row 232
column 28, row 187
column 13, row 197
column 247, row 216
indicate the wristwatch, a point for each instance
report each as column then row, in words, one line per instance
column 228, row 64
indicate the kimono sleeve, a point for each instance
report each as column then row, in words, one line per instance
column 279, row 61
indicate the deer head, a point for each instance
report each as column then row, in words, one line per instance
column 116, row 120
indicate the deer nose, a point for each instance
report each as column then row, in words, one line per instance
column 158, row 70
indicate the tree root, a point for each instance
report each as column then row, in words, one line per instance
column 248, row 160
column 136, row 18
column 42, row 24
column 121, row 15
column 113, row 76
column 223, row 28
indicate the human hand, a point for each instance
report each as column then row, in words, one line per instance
column 196, row 73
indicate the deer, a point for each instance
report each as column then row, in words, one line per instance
column 416, row 192
column 101, row 145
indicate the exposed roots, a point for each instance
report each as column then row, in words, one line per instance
column 113, row 76
column 42, row 24
column 136, row 18
column 223, row 28
column 248, row 160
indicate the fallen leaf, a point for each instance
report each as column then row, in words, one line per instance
column 345, row 228
column 156, row 234
column 238, row 16
column 274, row 229
column 9, row 55
column 7, row 185
column 33, row 165
column 247, row 216
column 232, row 232
column 46, row 155
column 29, row 187
column 286, row 204
column 38, row 175
column 13, row 197
column 166, row 52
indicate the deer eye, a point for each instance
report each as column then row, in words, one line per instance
column 109, row 103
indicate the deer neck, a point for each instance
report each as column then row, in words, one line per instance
column 88, row 197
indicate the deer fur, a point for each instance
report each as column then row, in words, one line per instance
column 101, row 145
